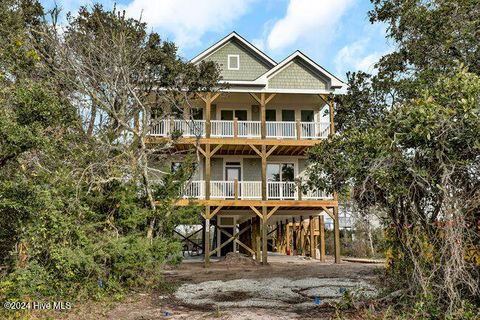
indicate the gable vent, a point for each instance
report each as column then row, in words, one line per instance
column 233, row 62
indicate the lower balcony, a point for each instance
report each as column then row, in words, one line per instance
column 241, row 129
column 252, row 190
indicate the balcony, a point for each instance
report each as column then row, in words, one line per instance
column 241, row 129
column 251, row 190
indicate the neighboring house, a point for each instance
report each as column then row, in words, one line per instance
column 253, row 136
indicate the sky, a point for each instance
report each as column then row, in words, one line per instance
column 335, row 33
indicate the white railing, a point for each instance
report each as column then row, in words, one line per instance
column 314, row 130
column 184, row 128
column 281, row 130
column 249, row 129
column 281, row 190
column 251, row 190
column 222, row 128
column 240, row 190
column 316, row 195
column 194, row 190
column 241, row 129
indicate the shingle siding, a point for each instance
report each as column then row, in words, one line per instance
column 217, row 169
column 252, row 169
column 296, row 76
column 250, row 67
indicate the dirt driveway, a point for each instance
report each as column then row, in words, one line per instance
column 288, row 288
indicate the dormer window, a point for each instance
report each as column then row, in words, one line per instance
column 233, row 62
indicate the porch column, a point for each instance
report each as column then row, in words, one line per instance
column 311, row 230
column 206, row 245
column 321, row 227
column 330, row 112
column 264, row 235
column 336, row 223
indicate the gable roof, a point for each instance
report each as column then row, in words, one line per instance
column 334, row 81
column 262, row 56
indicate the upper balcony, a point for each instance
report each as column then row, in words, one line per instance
column 292, row 130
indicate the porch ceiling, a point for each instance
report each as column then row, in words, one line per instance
column 232, row 146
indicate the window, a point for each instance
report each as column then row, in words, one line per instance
column 307, row 115
column 233, row 62
column 280, row 172
column 271, row 115
column 288, row 115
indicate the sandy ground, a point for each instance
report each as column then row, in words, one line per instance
column 285, row 289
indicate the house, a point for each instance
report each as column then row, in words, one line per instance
column 252, row 136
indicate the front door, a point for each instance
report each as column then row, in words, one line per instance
column 232, row 173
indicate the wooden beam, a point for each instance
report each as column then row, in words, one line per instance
column 215, row 212
column 233, row 237
column 258, row 203
column 208, row 171
column 302, row 236
column 201, row 151
column 235, row 128
column 328, row 212
column 256, row 212
column 202, row 96
column 217, row 147
column 271, row 150
column 332, row 118
column 264, row 236
column 206, row 245
column 272, row 212
column 270, row 98
column 215, row 96
column 336, row 234
column 238, row 141
column 235, row 189
column 298, row 128
column 287, row 237
column 263, row 117
column 264, row 173
column 254, row 96
column 208, row 114
column 321, row 226
column 258, row 244
column 313, row 249
column 323, row 98
column 255, row 149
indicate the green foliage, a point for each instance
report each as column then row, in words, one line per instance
column 71, row 215
column 408, row 143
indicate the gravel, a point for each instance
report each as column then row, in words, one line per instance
column 271, row 292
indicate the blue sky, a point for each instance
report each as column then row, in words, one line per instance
column 334, row 33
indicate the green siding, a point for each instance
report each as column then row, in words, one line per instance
column 255, row 113
column 296, row 76
column 217, row 169
column 250, row 67
column 252, row 169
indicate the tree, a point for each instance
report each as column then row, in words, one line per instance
column 77, row 202
column 118, row 75
column 408, row 143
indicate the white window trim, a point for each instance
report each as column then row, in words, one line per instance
column 233, row 108
column 238, row 60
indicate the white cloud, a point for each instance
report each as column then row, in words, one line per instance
column 354, row 57
column 259, row 43
column 188, row 20
column 307, row 20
